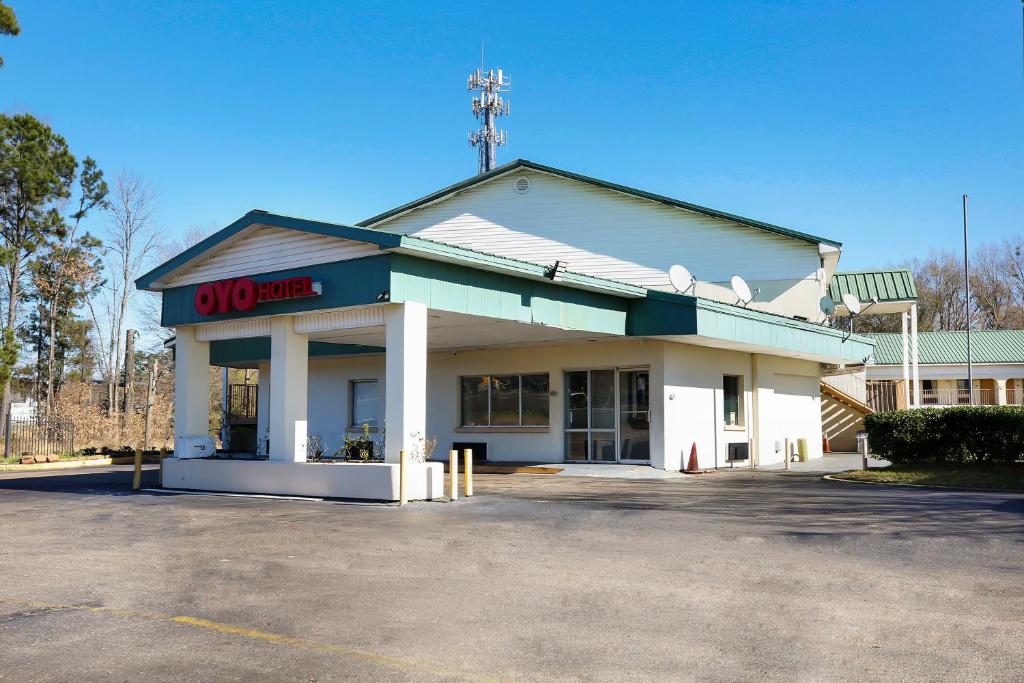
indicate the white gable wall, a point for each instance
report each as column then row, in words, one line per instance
column 266, row 249
column 608, row 234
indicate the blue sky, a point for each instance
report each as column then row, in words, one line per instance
column 860, row 121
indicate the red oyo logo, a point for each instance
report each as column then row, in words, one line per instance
column 242, row 294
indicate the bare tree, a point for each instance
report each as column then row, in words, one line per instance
column 149, row 307
column 131, row 242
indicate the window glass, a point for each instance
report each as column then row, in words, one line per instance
column 577, row 406
column 474, row 400
column 731, row 400
column 602, row 396
column 536, row 400
column 364, row 403
column 505, row 401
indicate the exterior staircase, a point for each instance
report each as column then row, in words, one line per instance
column 842, row 411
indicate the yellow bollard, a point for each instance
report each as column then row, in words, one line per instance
column 163, row 454
column 787, row 454
column 453, row 475
column 467, row 466
column 137, row 479
column 403, row 461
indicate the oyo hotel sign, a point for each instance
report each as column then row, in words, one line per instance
column 244, row 294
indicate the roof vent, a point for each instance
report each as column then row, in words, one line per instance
column 522, row 185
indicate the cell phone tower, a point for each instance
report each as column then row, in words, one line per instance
column 487, row 106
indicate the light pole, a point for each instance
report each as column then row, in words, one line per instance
column 967, row 308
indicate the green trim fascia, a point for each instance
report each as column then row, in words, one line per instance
column 417, row 245
column 451, row 287
column 355, row 282
column 664, row 314
column 257, row 350
column 258, row 217
column 661, row 199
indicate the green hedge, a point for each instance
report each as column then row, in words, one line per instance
column 958, row 435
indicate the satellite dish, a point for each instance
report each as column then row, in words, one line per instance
column 828, row 307
column 681, row 278
column 741, row 289
column 852, row 303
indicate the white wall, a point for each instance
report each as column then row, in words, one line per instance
column 691, row 375
column 612, row 235
column 951, row 372
column 373, row 481
column 789, row 401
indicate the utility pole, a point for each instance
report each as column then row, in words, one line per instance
column 488, row 106
column 129, row 375
column 967, row 307
column 150, row 393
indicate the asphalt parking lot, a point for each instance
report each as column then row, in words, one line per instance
column 722, row 577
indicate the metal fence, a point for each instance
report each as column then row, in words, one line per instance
column 242, row 402
column 39, row 435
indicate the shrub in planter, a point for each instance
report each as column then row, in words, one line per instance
column 958, row 435
column 360, row 449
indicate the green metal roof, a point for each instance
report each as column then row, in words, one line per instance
column 950, row 348
column 886, row 285
column 661, row 199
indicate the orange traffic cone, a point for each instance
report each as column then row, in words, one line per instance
column 691, row 465
column 825, row 448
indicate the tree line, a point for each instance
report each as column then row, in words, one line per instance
column 71, row 246
column 997, row 291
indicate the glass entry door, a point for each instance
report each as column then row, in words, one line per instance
column 635, row 415
column 607, row 415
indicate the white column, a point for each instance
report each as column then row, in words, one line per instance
column 914, row 356
column 289, row 370
column 1000, row 392
column 405, row 378
column 191, row 386
column 906, row 362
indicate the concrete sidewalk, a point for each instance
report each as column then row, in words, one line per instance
column 833, row 462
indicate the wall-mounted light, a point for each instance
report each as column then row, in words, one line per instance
column 384, row 296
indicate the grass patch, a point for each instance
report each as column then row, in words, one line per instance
column 1003, row 477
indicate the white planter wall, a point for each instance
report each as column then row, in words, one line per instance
column 370, row 481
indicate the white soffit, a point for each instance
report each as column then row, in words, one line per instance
column 236, row 329
column 346, row 319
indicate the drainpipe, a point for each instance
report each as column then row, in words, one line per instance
column 224, row 409
column 714, row 420
column 755, row 412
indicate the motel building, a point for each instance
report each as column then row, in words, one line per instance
column 527, row 313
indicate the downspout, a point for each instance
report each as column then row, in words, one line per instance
column 225, row 396
column 714, row 420
column 755, row 411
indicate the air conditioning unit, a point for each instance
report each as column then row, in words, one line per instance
column 738, row 451
column 194, row 447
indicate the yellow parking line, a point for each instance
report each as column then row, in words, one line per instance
column 254, row 634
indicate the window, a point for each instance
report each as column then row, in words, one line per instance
column 364, row 402
column 732, row 402
column 505, row 400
